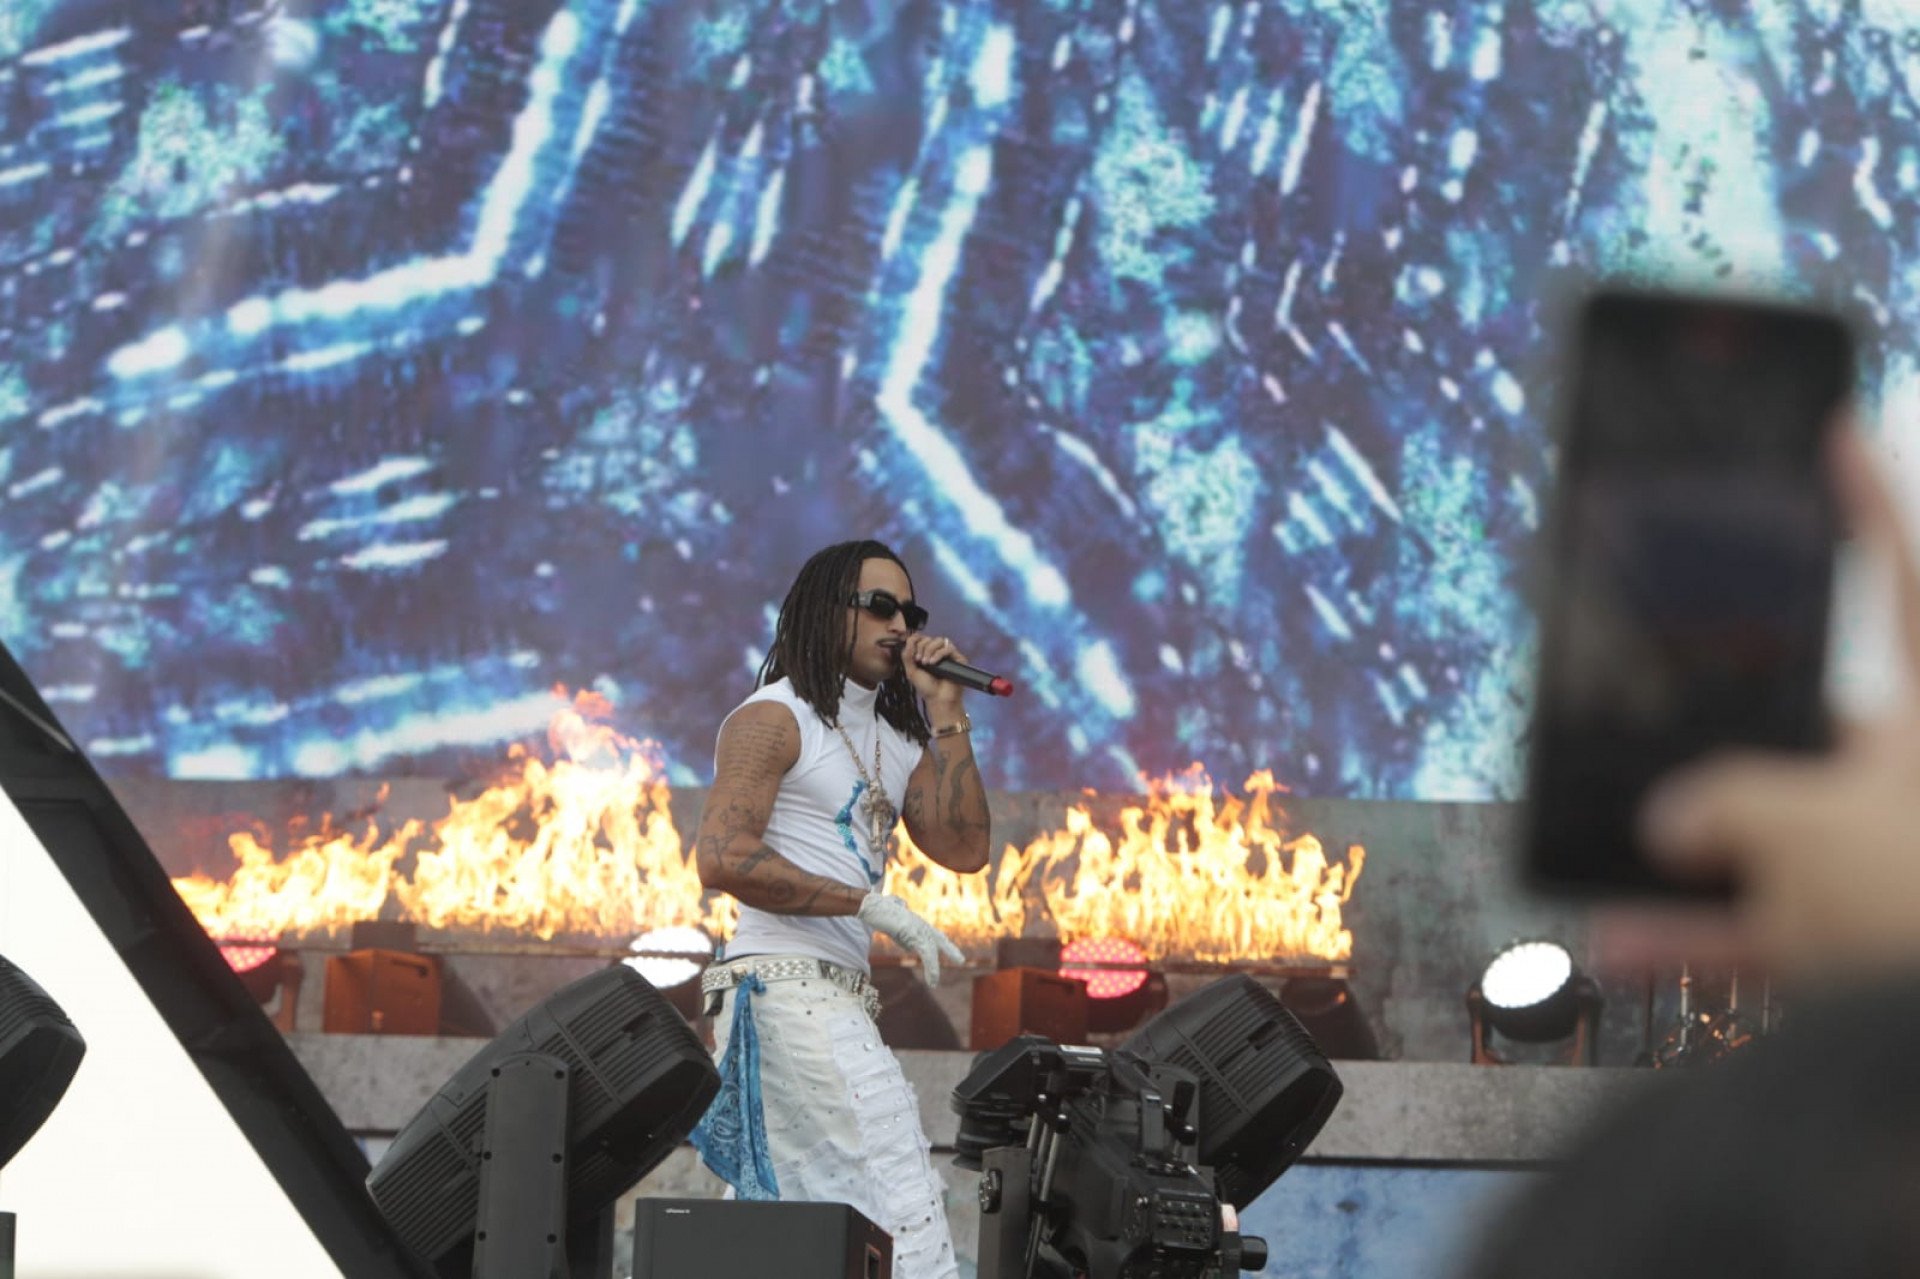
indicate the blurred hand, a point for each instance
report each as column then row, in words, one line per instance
column 1826, row 851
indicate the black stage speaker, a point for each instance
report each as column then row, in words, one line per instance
column 736, row 1239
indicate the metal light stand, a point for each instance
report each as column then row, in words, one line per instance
column 1582, row 1048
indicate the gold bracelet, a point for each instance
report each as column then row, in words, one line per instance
column 959, row 726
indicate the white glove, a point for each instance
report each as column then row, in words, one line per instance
column 885, row 913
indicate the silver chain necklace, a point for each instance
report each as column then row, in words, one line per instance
column 877, row 804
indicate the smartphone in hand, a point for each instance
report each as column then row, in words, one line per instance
column 1686, row 580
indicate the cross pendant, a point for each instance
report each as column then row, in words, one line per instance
column 879, row 823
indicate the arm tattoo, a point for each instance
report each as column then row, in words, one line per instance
column 960, row 794
column 757, row 747
column 946, row 807
column 762, row 878
column 748, row 864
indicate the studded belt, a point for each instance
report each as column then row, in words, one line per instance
column 722, row 977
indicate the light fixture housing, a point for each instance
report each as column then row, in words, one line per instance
column 1330, row 1012
column 39, row 1052
column 1121, row 989
column 1532, row 992
column 1266, row 1089
column 1112, row 967
column 637, row 1079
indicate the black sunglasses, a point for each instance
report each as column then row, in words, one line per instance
column 883, row 606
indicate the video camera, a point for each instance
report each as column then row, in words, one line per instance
column 1089, row 1166
column 1134, row 1162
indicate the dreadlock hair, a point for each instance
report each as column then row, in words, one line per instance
column 811, row 641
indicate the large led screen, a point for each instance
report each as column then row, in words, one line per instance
column 370, row 369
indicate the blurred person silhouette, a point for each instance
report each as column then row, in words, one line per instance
column 1800, row 1155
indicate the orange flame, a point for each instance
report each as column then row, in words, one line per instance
column 1186, row 878
column 329, row 881
column 585, row 846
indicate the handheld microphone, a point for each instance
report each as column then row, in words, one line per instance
column 971, row 677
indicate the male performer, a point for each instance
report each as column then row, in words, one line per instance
column 808, row 775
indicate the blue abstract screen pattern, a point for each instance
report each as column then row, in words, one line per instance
column 369, row 368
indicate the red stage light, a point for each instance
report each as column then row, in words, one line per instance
column 243, row 956
column 1122, row 967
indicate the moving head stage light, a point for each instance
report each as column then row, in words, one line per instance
column 1123, row 1164
column 39, row 1053
column 512, row 1170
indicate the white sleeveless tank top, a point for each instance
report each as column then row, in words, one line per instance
column 818, row 823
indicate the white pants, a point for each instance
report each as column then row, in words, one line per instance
column 842, row 1122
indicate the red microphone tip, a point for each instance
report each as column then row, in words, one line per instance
column 1001, row 687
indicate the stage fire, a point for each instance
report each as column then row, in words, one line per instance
column 1186, row 877
column 582, row 846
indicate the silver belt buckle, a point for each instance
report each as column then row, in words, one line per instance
column 716, row 982
column 856, row 984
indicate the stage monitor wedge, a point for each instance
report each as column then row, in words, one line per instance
column 274, row 1103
